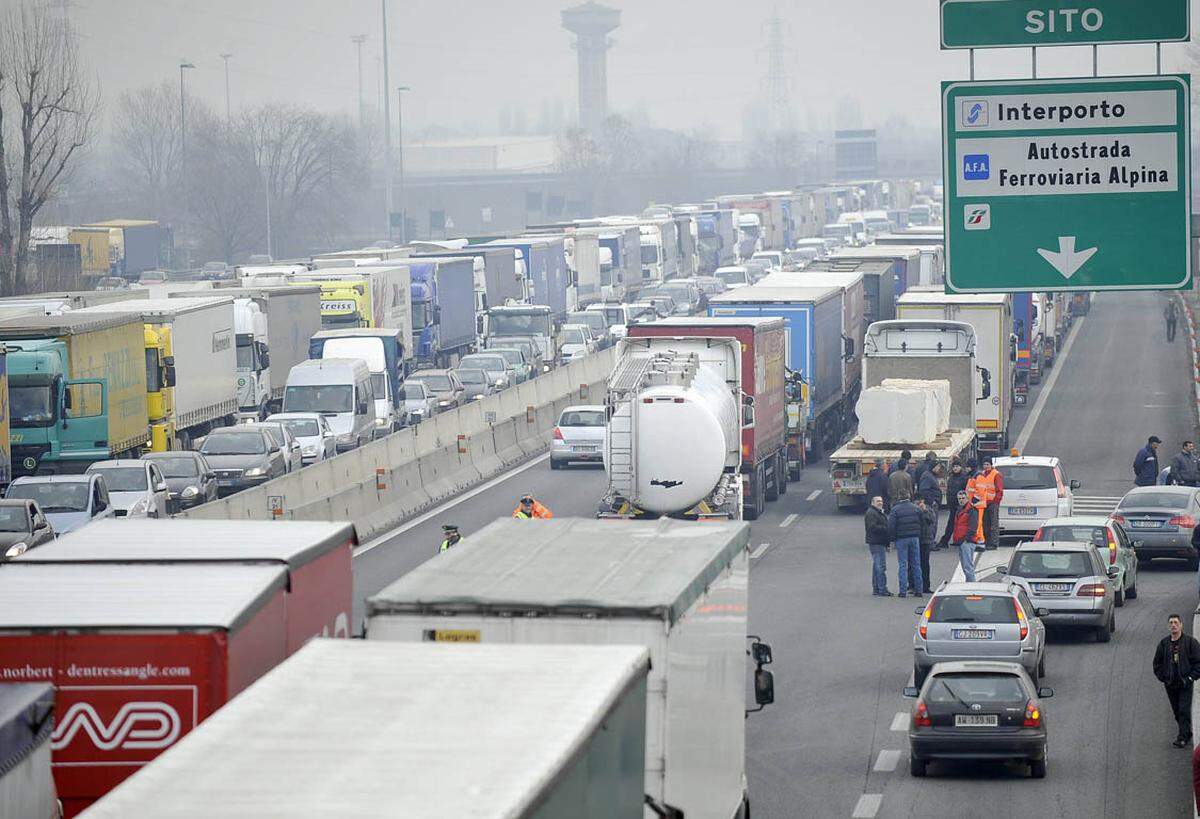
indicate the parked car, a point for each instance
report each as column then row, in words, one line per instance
column 528, row 347
column 1164, row 520
column 979, row 621
column 1110, row 541
column 596, row 324
column 287, row 443
column 311, row 431
column 684, row 293
column 733, row 276
column 518, row 364
column 495, row 365
column 476, row 383
column 136, row 488
column 23, row 526
column 242, row 456
column 978, row 710
column 1036, row 488
column 68, row 501
column 664, row 305
column 575, row 341
column 190, row 479
column 1069, row 582
column 773, row 259
column 419, row 401
column 579, row 435
column 444, row 384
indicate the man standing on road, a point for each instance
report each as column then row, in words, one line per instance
column 924, row 466
column 900, row 482
column 929, row 488
column 1185, row 471
column 1171, row 315
column 904, row 527
column 877, row 483
column 878, row 538
column 928, row 534
column 956, row 485
column 1177, row 666
column 1145, row 464
column 966, row 525
column 988, row 487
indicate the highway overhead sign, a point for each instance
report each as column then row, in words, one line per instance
column 1067, row 184
column 1024, row 23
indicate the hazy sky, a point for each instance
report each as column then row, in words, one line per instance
column 686, row 63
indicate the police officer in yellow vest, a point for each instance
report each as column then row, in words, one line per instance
column 450, row 536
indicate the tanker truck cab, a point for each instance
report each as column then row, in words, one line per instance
column 339, row 389
column 253, row 359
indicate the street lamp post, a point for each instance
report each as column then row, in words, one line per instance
column 387, row 125
column 226, row 57
column 400, row 144
column 183, row 65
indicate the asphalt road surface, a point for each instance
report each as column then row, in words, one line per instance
column 829, row 746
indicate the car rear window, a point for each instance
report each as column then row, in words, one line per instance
column 972, row 608
column 1052, row 564
column 975, row 688
column 1153, row 500
column 582, row 418
column 1084, row 534
column 1027, row 476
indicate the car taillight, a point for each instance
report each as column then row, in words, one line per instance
column 1186, row 521
column 923, row 628
column 1112, row 550
column 1033, row 715
column 1021, row 619
column 557, row 434
column 1119, row 519
column 1038, row 534
column 1090, row 590
column 921, row 716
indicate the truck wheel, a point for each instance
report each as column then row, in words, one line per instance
column 771, row 480
column 755, row 503
column 781, row 471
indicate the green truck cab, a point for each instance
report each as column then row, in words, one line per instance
column 76, row 390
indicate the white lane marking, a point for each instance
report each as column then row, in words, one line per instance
column 868, row 806
column 450, row 504
column 760, row 551
column 788, row 521
column 887, row 761
column 900, row 721
column 1044, row 395
column 816, row 493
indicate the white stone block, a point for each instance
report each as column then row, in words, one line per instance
column 894, row 415
column 941, row 391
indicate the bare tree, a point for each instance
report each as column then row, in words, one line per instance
column 779, row 154
column 47, row 106
column 225, row 195
column 147, row 147
column 598, row 161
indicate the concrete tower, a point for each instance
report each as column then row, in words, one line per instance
column 591, row 23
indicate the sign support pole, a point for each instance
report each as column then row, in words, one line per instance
column 1095, row 61
column 971, row 53
column 1158, row 59
column 1033, row 51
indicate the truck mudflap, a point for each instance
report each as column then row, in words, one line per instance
column 990, row 443
column 723, row 503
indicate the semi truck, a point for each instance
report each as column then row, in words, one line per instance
column 191, row 365
column 990, row 314
column 135, row 246
column 674, row 587
column 716, row 240
column 497, row 277
column 76, row 390
column 815, row 352
column 772, row 227
column 906, row 264
column 546, row 275
column 923, row 350
column 623, row 243
column 443, row 310
column 1028, row 344
column 879, row 290
column 368, row 295
column 676, row 410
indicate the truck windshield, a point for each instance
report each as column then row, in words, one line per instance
column 153, row 373
column 30, row 405
column 649, row 254
column 529, row 324
column 319, row 398
column 13, row 519
column 420, row 314
column 124, row 478
column 234, row 443
column 379, row 385
column 245, row 353
column 53, row 497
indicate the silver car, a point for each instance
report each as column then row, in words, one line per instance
column 579, row 436
column 1163, row 520
column 1068, row 582
column 1109, row 539
column 979, row 621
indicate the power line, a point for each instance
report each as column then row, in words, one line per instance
column 777, row 84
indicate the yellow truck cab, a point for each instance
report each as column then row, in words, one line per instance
column 160, row 386
column 345, row 303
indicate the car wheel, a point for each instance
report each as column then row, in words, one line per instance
column 919, row 675
column 1143, row 562
column 1104, row 633
column 1119, row 597
column 917, row 767
column 1193, row 564
column 1131, row 592
column 1037, row 768
column 554, row 464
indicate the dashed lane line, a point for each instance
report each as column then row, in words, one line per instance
column 900, row 721
column 760, row 551
column 816, row 493
column 788, row 521
column 887, row 761
column 868, row 806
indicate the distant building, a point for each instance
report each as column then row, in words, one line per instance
column 591, row 23
column 855, row 154
column 503, row 154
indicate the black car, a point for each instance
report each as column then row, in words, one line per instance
column 978, row 710
column 190, row 479
column 242, row 457
column 22, row 527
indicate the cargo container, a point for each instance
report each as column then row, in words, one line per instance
column 545, row 270
column 496, row 279
column 58, row 302
column 878, row 288
column 76, row 391
column 762, row 343
column 906, row 264
column 525, row 731
column 716, row 240
column 135, row 245
column 93, row 250
column 26, row 723
column 139, row 654
column 815, row 351
column 676, row 587
column 443, row 305
column 191, row 364
column 768, row 209
column 623, row 243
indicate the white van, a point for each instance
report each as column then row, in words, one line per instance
column 339, row 389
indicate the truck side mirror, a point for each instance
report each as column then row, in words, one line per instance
column 986, row 375
column 764, row 687
column 848, row 347
column 170, row 375
column 437, row 314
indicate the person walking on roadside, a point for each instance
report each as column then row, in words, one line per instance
column 956, row 482
column 928, row 535
column 878, row 538
column 1145, row 463
column 1171, row 316
column 1177, row 666
column 929, row 488
column 900, row 482
column 1185, row 470
column 904, row 527
column 966, row 526
column 877, row 483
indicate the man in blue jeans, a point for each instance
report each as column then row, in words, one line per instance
column 878, row 538
column 904, row 526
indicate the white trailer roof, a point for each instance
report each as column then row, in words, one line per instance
column 940, row 297
column 154, row 309
column 181, row 540
column 361, row 728
column 571, row 567
column 131, row 596
column 776, row 293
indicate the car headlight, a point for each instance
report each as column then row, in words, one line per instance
column 545, row 368
column 309, row 450
column 445, row 403
column 140, row 507
column 190, row 492
column 16, row 549
column 381, row 422
column 501, row 383
column 345, row 438
column 255, row 472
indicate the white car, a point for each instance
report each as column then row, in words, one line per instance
column 579, row 435
column 311, row 431
column 575, row 341
column 734, row 276
column 135, row 488
column 773, row 258
column 1036, row 489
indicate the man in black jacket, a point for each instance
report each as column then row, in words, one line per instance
column 877, row 483
column 957, row 482
column 904, row 526
column 928, row 534
column 878, row 538
column 1185, row 471
column 1177, row 666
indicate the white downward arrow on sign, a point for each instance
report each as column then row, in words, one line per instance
column 1066, row 260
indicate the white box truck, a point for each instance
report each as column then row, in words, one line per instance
column 353, row 728
column 675, row 587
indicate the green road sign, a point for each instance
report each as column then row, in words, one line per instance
column 1024, row 23
column 1071, row 184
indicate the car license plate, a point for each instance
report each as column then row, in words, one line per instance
column 1145, row 524
column 1022, row 511
column 973, row 634
column 585, row 449
column 1053, row 587
column 976, row 720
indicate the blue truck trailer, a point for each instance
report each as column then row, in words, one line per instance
column 443, row 305
column 816, row 351
column 545, row 270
